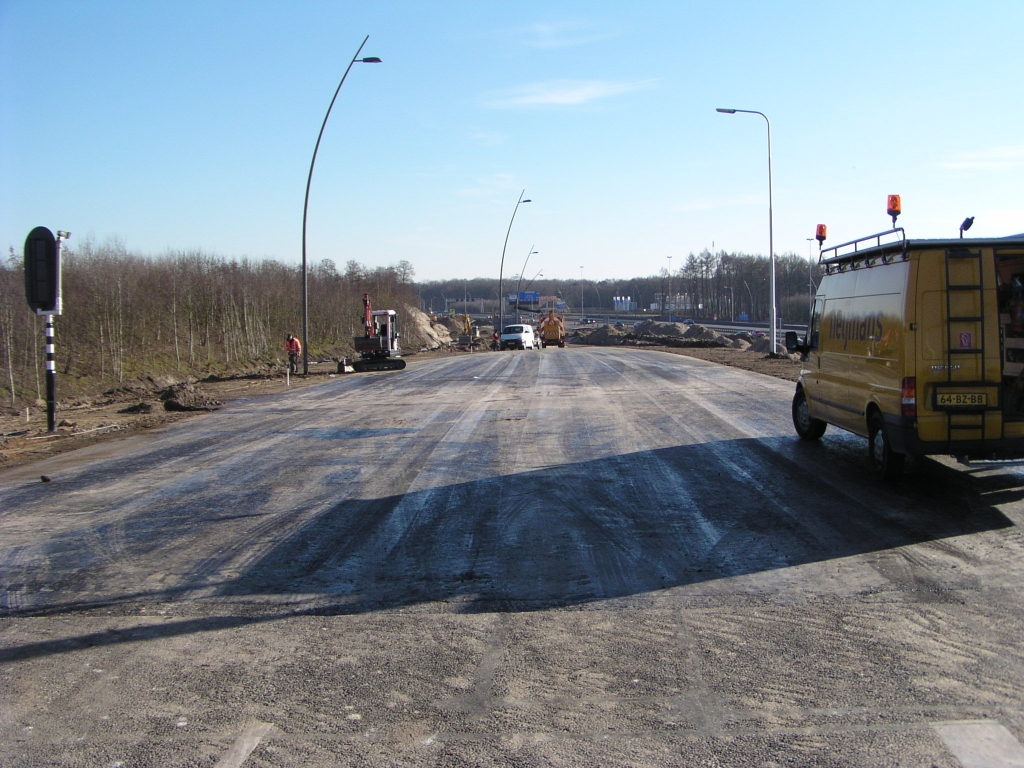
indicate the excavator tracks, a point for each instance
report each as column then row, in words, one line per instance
column 366, row 366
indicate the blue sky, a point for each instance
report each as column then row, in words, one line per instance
column 178, row 125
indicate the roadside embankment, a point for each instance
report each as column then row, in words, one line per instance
column 740, row 350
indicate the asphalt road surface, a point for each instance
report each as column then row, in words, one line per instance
column 573, row 557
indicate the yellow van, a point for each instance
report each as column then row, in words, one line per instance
column 917, row 345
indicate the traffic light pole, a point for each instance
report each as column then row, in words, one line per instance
column 51, row 378
column 42, row 291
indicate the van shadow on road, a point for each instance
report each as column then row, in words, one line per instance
column 568, row 535
column 617, row 527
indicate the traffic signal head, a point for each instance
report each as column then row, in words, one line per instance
column 42, row 271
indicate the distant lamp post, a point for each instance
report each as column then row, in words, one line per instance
column 668, row 309
column 539, row 274
column 305, row 207
column 501, row 269
column 771, row 244
column 521, row 279
column 581, row 294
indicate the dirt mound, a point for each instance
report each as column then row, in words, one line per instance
column 423, row 333
column 605, row 336
column 681, row 335
column 655, row 328
column 764, row 345
column 700, row 333
column 187, row 397
column 454, row 326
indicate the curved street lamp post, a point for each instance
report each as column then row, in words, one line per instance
column 521, row 280
column 771, row 248
column 501, row 269
column 305, row 206
column 539, row 274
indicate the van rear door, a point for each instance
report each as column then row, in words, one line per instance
column 958, row 367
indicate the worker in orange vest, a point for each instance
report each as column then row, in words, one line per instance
column 294, row 348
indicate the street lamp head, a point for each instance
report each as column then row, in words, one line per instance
column 370, row 60
column 527, row 200
column 726, row 111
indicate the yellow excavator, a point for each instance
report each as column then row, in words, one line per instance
column 468, row 334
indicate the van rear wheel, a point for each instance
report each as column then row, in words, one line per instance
column 808, row 427
column 886, row 463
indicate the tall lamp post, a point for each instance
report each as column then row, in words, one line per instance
column 581, row 294
column 305, row 207
column 501, row 269
column 668, row 314
column 771, row 248
column 521, row 279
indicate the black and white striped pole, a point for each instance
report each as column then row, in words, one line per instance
column 51, row 379
column 42, row 290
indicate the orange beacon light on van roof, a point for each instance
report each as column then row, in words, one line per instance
column 820, row 232
column 893, row 208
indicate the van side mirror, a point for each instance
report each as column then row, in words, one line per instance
column 792, row 342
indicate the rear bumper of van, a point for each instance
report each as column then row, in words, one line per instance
column 903, row 439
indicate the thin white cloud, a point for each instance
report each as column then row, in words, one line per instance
column 994, row 159
column 560, row 34
column 560, row 93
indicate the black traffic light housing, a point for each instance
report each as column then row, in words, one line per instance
column 42, row 271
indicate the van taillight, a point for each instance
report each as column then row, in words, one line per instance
column 908, row 397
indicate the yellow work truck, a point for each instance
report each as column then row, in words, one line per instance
column 917, row 345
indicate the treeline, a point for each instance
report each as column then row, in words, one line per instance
column 704, row 285
column 186, row 313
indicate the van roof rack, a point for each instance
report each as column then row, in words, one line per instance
column 868, row 248
column 870, row 242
